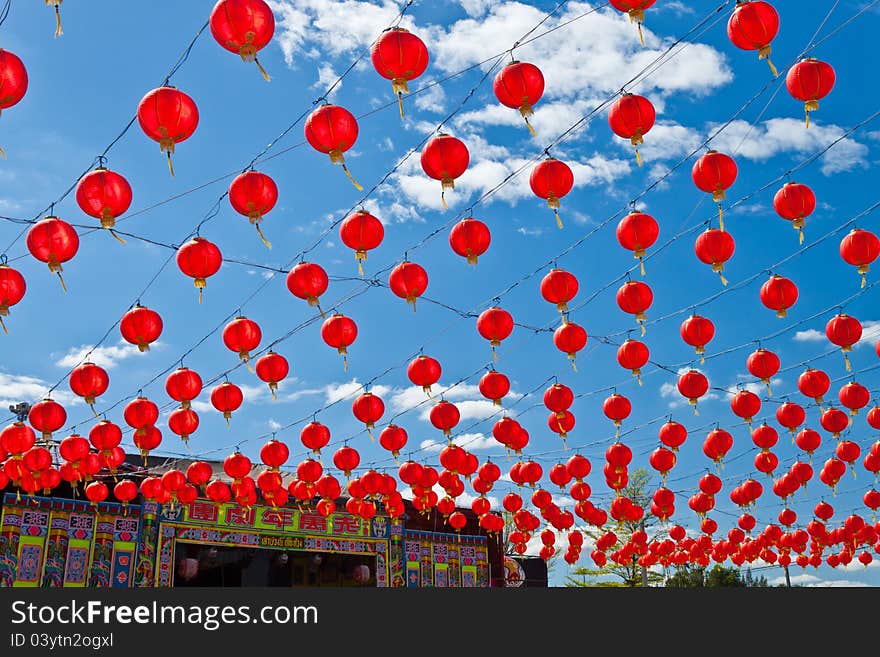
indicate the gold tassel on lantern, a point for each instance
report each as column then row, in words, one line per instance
column 635, row 141
column 360, row 255
column 638, row 374
column 2, row 315
column 108, row 221
column 553, row 203
column 411, row 300
column 273, row 386
column 863, row 270
column 693, row 402
column 637, row 16
column 572, row 357
column 400, row 87
column 764, row 53
column 495, row 343
column 809, row 106
column 526, row 111
column 314, row 303
column 166, row 145
column 344, row 353
column 846, row 352
column 640, row 255
column 641, row 318
column 200, row 284
column 701, row 352
column 799, row 223
column 446, row 183
column 246, row 359
column 249, row 54
column 336, row 157
column 55, row 268
column 57, row 5
column 718, row 268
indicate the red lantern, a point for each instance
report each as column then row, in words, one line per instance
column 237, row 466
column 617, row 408
column 635, row 297
column 393, row 438
column 808, row 440
column 400, row 56
column 199, row 259
column 361, row 232
column 274, row 454
column 13, row 81
column 444, row 416
column 272, row 368
column 693, row 385
column 47, row 416
column 551, row 180
column 408, row 281
column 570, row 338
column 631, row 116
column 714, row 173
column 834, row 421
column 148, row 439
column 636, row 11
column 873, row 417
column 104, row 195
column 339, row 332
column 244, row 27
column 199, row 473
column 779, row 294
column 697, row 332
column 18, row 438
column 745, row 404
column 809, row 81
column 558, row 398
column 814, row 384
column 308, row 281
column 332, row 130
column 183, row 385
column 183, row 422
column 672, row 434
column 860, row 248
column 795, row 202
column 242, row 336
column 315, row 436
column 854, row 396
column 141, row 326
column 105, row 437
column 561, row 423
column 347, row 459
column 168, row 116
column 765, row 437
column 844, row 331
column 559, row 287
column 445, row 158
column 97, row 492
column 715, row 247
column 424, row 371
column 125, row 491
column 12, row 289
column 253, row 194
column 494, row 386
column 54, row 242
column 717, row 444
column 89, row 381
column 470, row 238
column 633, row 355
column 227, row 398
column 495, row 325
column 368, row 408
column 662, row 460
column 637, row 232
column 520, row 85
column 753, row 26
column 764, row 365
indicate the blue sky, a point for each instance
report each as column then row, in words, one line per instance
column 85, row 86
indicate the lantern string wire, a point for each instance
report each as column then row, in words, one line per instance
column 4, row 11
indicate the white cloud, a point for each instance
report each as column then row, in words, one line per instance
column 274, row 425
column 472, row 442
column 431, row 100
column 870, row 334
column 335, row 392
column 16, row 388
column 107, row 357
column 326, row 77
column 808, row 580
column 530, row 232
column 756, row 388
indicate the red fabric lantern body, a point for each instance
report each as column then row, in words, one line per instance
column 570, row 338
column 227, row 398
column 551, row 180
column 141, row 413
column 54, row 242
column 764, row 365
column 791, row 416
column 714, row 173
column 637, row 232
column 633, row 355
column 717, row 444
column 745, row 404
column 693, row 385
column 332, row 130
column 445, row 158
column 141, row 326
column 274, row 454
column 636, row 11
column 635, row 297
column 520, row 85
column 495, row 325
column 183, row 422
column 183, row 385
column 308, row 281
column 408, row 281
column 844, row 331
column 854, row 396
column 834, row 421
column 860, row 248
column 361, row 232
column 242, row 336
column 244, row 27
column 199, row 259
column 104, row 195
column 424, row 371
column 779, row 294
column 368, row 408
column 814, row 384
column 400, row 56
column 272, row 368
column 470, row 238
column 339, row 332
column 810, row 81
column 617, row 408
column 347, row 459
column 715, row 247
column 672, row 434
column 795, row 202
column 631, row 116
column 47, row 416
column 559, row 287
column 89, row 381
column 697, row 332
column 13, row 79
column 168, row 116
column 315, row 436
column 753, row 26
column 253, row 194
column 494, row 386
column 12, row 289
column 393, row 438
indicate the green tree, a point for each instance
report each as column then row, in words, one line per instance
column 688, row 577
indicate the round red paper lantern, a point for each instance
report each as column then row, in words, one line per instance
column 636, row 11
column 141, row 326
column 470, row 238
column 495, row 325
column 558, row 398
column 520, row 85
column 242, row 335
column 140, row 413
column 445, row 158
column 874, row 417
column 103, row 194
column 559, row 287
column 393, row 438
column 854, row 396
column 631, row 116
column 424, row 371
column 814, row 384
column 199, row 259
column 672, row 434
column 369, row 409
column 779, row 294
column 561, row 423
column 89, row 381
column 752, row 26
column 105, row 436
column 717, row 444
column 570, row 338
column 18, row 438
column 97, row 492
column 253, row 195
column 183, row 385
column 274, row 454
column 808, row 440
column 183, row 422
column 12, row 289
column 634, row 298
column 125, row 491
column 693, row 385
column 272, row 368
column 633, row 355
column 408, row 281
column 637, row 232
column 13, row 79
column 715, row 247
column 400, row 56
column 834, row 421
column 745, row 404
column 697, row 331
column 860, row 248
column 494, row 386
column 315, row 436
column 227, row 398
column 551, row 180
column 714, row 173
column 662, row 460
column 332, row 130
column 168, row 116
column 763, row 364
column 844, row 331
column 146, row 439
column 199, row 473
column 361, row 232
column 765, row 437
column 617, row 408
column 308, row 281
column 54, row 242
column 795, row 202
column 237, row 466
column 444, row 416
column 244, row 27
column 47, row 416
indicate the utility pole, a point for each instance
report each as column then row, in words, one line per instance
column 787, row 578
column 20, row 410
column 644, row 570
